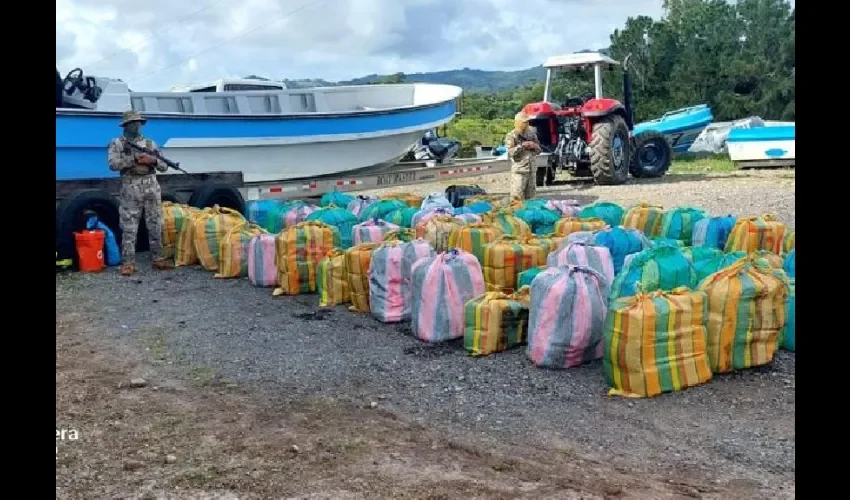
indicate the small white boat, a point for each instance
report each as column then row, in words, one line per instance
column 264, row 130
column 768, row 145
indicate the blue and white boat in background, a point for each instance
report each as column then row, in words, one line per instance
column 767, row 145
column 263, row 129
column 680, row 127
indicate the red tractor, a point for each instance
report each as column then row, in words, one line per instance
column 591, row 135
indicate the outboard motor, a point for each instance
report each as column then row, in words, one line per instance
column 435, row 148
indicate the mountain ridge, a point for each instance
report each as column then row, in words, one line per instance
column 471, row 80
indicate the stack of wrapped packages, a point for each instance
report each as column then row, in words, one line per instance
column 665, row 297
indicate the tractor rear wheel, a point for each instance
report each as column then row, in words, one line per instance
column 609, row 151
column 651, row 155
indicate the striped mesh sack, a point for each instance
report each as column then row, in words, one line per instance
column 184, row 248
column 567, row 317
column 713, row 231
column 756, row 233
column 569, row 225
column 371, row 231
column 507, row 223
column 505, row 258
column 298, row 251
column 210, row 229
column 357, row 261
column 678, row 224
column 655, row 343
column 495, row 322
column 233, row 254
column 662, row 268
column 436, row 231
column 611, row 213
column 441, row 286
column 412, row 200
column 473, row 237
column 789, row 242
column 332, row 284
column 174, row 217
column 583, row 254
column 645, row 218
column 339, row 218
column 261, row 261
column 746, row 313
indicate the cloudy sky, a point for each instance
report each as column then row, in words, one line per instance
column 155, row 44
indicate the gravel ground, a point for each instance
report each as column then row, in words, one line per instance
column 737, row 431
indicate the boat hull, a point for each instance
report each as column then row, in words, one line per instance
column 769, row 143
column 264, row 148
column 680, row 127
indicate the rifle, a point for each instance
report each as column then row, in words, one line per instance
column 155, row 154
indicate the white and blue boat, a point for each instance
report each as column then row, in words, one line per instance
column 771, row 144
column 680, row 127
column 264, row 130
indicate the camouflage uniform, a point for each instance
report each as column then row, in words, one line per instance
column 139, row 191
column 523, row 169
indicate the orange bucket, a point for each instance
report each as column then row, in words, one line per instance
column 90, row 250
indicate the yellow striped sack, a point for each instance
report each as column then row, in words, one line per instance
column 505, row 258
column 357, row 261
column 298, row 251
column 412, row 200
column 789, row 242
column 436, row 231
column 210, row 229
column 645, row 218
column 174, row 217
column 233, row 254
column 507, row 222
column 332, row 284
column 655, row 343
column 494, row 199
column 400, row 234
column 550, row 242
column 495, row 322
column 746, row 312
column 569, row 225
column 472, row 238
column 184, row 248
column 756, row 233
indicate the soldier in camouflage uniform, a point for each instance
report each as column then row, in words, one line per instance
column 139, row 192
column 522, row 146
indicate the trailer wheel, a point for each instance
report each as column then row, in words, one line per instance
column 651, row 155
column 222, row 195
column 72, row 214
column 169, row 197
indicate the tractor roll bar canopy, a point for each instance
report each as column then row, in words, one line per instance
column 579, row 61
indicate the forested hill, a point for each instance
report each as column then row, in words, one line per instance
column 472, row 80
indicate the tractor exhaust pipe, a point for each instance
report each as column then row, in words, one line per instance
column 627, row 93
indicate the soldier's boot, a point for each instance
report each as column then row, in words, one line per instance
column 162, row 264
column 128, row 269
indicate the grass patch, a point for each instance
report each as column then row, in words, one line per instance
column 701, row 164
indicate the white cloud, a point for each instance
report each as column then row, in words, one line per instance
column 156, row 44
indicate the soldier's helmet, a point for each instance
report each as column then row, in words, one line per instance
column 132, row 116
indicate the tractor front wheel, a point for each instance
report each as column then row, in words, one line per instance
column 651, row 155
column 609, row 151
